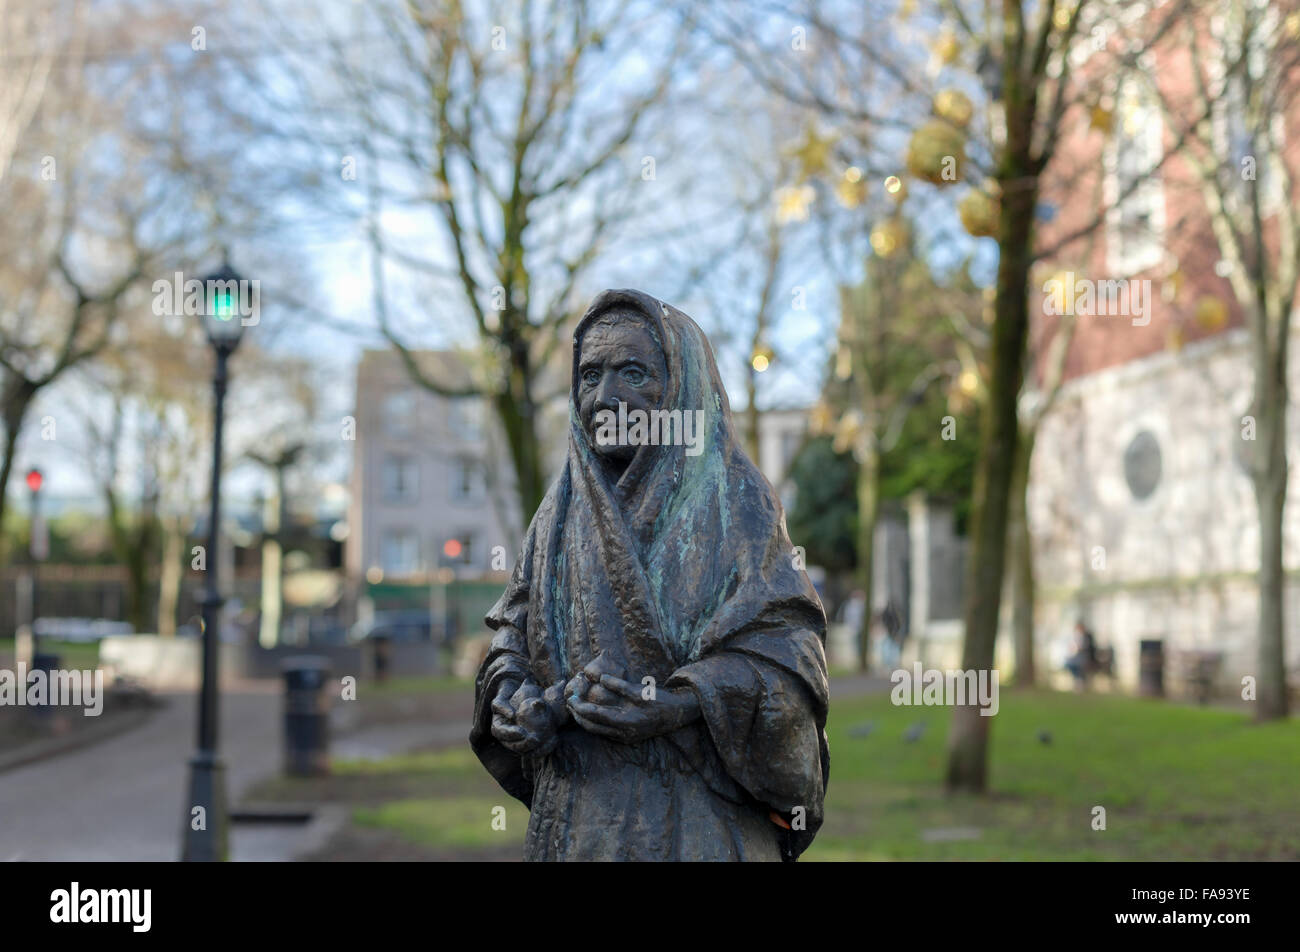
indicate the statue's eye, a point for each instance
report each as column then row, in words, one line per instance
column 591, row 377
column 634, row 375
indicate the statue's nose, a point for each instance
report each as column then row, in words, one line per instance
column 607, row 397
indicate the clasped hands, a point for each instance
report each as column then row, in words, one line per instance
column 527, row 719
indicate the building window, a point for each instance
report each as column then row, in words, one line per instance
column 399, row 552
column 401, row 479
column 1142, row 465
column 399, row 413
column 466, row 479
column 466, row 416
column 1135, row 219
column 1248, row 137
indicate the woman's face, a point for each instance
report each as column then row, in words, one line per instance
column 618, row 363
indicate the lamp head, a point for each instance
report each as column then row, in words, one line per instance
column 222, row 318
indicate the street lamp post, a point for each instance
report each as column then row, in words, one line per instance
column 206, row 827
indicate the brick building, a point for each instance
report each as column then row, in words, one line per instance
column 1141, row 507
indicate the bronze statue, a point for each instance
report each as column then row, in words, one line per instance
column 656, row 688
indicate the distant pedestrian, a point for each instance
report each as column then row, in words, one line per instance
column 892, row 646
column 852, row 612
column 1083, row 662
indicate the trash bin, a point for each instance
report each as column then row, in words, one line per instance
column 1202, row 667
column 48, row 662
column 1151, row 668
column 381, row 647
column 306, row 715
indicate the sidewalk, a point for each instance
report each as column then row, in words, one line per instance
column 123, row 799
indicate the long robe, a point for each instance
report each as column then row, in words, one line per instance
column 682, row 572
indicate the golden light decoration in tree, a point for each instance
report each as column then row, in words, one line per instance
column 850, row 189
column 946, row 48
column 896, row 187
column 762, row 358
column 937, row 153
column 1211, row 312
column 848, row 431
column 1173, row 285
column 888, row 236
column 792, row 202
column 955, row 106
column 958, row 400
column 1061, row 18
column 843, row 362
column 813, row 153
column 1101, row 119
column 819, row 421
column 979, row 214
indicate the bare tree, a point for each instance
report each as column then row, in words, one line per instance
column 514, row 141
column 92, row 209
column 998, row 125
column 29, row 48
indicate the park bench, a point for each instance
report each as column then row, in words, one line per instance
column 1196, row 668
column 1105, row 662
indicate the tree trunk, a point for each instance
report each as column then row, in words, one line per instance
column 518, row 414
column 273, row 564
column 868, row 508
column 169, row 582
column 751, row 417
column 136, row 552
column 1270, row 498
column 1022, row 565
column 17, row 397
column 968, row 740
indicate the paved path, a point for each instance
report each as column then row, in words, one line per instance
column 856, row 685
column 123, row 799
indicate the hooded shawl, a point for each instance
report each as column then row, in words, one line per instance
column 682, row 571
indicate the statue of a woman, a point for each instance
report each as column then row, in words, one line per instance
column 656, row 689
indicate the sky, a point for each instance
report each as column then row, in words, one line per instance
column 689, row 185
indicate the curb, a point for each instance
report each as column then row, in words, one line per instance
column 44, row 749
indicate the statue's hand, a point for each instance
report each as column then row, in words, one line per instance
column 619, row 710
column 521, row 720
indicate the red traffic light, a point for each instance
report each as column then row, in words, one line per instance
column 451, row 548
column 34, row 480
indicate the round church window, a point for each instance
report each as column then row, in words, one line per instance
column 1142, row 465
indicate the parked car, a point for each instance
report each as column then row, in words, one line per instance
column 401, row 626
column 80, row 629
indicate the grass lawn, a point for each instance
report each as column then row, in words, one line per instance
column 1177, row 782
column 416, row 686
column 72, row 654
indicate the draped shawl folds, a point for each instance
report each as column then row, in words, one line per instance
column 681, row 571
